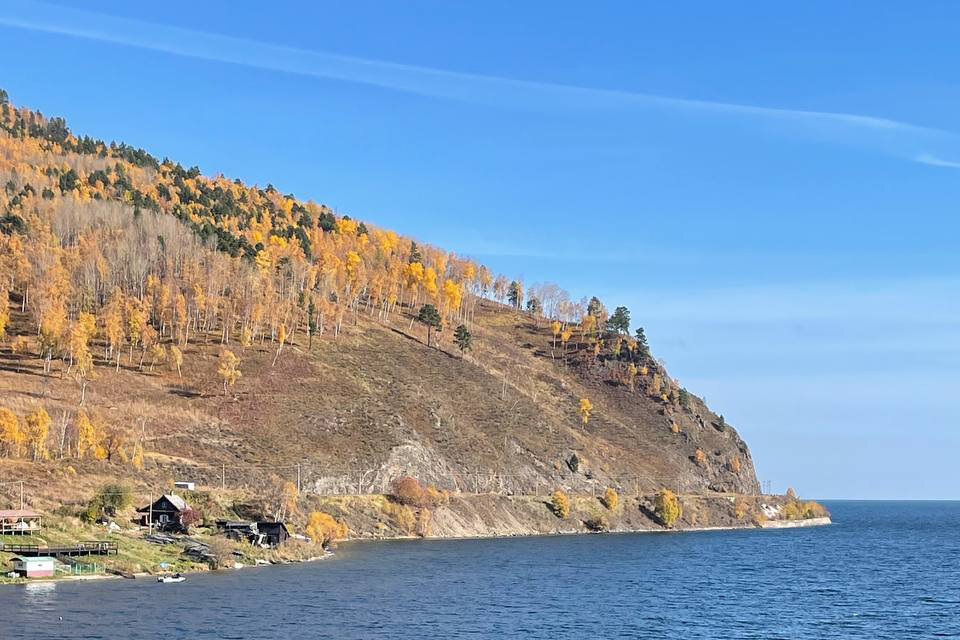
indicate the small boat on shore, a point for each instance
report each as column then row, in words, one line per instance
column 171, row 579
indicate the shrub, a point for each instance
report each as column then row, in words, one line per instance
column 401, row 515
column 560, row 504
column 667, row 507
column 109, row 500
column 407, row 490
column 114, row 498
column 424, row 525
column 734, row 464
column 324, row 530
column 797, row 510
column 741, row 508
column 221, row 552
column 432, row 497
column 700, row 457
column 191, row 517
column 597, row 522
column 611, row 498
column 791, row 493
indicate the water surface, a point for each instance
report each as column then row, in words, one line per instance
column 884, row 570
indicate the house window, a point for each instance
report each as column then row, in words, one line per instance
column 163, row 518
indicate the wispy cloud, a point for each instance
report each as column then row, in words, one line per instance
column 926, row 158
column 891, row 136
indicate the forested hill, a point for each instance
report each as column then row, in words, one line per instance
column 160, row 323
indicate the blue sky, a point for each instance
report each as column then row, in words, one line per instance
column 771, row 192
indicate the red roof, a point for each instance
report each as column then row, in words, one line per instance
column 18, row 513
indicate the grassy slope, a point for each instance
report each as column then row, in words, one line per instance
column 376, row 403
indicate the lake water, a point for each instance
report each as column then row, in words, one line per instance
column 884, row 570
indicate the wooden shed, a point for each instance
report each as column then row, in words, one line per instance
column 263, row 533
column 274, row 533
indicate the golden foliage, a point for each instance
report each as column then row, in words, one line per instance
column 227, row 368
column 799, row 510
column 700, row 457
column 585, row 408
column 324, row 529
column 37, row 427
column 667, row 507
column 611, row 498
column 560, row 504
column 85, row 435
column 11, row 434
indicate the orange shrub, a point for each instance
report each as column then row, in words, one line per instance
column 611, row 498
column 407, row 490
column 324, row 530
column 560, row 503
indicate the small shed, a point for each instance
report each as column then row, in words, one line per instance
column 21, row 522
column 36, row 567
column 166, row 512
column 261, row 533
column 274, row 533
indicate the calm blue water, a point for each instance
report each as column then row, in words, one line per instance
column 884, row 570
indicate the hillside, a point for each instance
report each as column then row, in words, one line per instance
column 177, row 326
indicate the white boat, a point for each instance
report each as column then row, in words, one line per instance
column 168, row 579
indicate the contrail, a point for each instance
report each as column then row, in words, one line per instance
column 452, row 85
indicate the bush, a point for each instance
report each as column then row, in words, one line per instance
column 611, row 498
column 700, row 457
column 667, row 507
column 791, row 493
column 406, row 490
column 560, row 504
column 734, row 464
column 221, row 552
column 741, row 508
column 797, row 510
column 597, row 523
column 424, row 527
column 402, row 516
column 109, row 500
column 324, row 530
column 114, row 498
column 191, row 517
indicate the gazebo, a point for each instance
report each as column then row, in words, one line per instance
column 19, row 522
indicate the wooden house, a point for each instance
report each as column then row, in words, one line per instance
column 19, row 522
column 166, row 513
column 35, row 567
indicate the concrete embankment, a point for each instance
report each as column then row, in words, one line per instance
column 788, row 524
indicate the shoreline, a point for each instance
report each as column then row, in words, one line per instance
column 771, row 525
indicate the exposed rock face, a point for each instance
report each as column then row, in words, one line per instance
column 495, row 515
